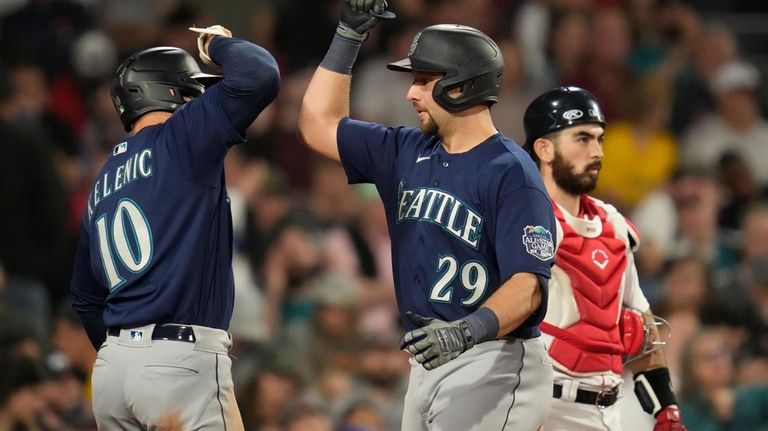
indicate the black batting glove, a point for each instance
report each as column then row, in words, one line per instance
column 359, row 16
column 435, row 342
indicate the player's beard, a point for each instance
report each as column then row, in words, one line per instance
column 430, row 127
column 572, row 183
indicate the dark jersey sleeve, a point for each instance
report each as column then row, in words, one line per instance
column 88, row 295
column 201, row 131
column 368, row 151
column 525, row 233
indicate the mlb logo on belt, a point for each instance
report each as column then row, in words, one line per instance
column 136, row 335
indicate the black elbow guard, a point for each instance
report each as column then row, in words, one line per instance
column 654, row 390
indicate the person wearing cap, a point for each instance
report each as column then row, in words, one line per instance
column 598, row 320
column 469, row 218
column 736, row 125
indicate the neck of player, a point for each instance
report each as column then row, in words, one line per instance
column 467, row 129
column 570, row 202
column 150, row 119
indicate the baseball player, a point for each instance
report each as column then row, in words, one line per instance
column 152, row 277
column 592, row 325
column 470, row 222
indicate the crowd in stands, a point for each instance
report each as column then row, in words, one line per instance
column 315, row 325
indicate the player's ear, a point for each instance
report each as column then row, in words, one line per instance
column 545, row 149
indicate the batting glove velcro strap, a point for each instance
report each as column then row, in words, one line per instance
column 654, row 390
column 435, row 342
column 205, row 34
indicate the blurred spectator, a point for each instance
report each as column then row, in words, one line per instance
column 42, row 33
column 372, row 97
column 33, row 235
column 640, row 150
column 714, row 47
column 516, row 93
column 362, row 416
column 685, row 286
column 307, row 417
column 709, row 400
column 383, row 378
column 697, row 198
column 741, row 189
column 71, row 340
column 330, row 338
column 568, row 47
column 20, row 401
column 737, row 124
column 311, row 18
column 264, row 400
column 755, row 314
column 606, row 71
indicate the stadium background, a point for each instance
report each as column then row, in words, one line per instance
column 315, row 324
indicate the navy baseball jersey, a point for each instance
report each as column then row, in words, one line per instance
column 156, row 241
column 460, row 224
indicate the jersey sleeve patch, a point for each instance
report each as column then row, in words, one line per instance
column 538, row 242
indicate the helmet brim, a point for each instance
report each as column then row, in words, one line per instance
column 403, row 65
column 206, row 79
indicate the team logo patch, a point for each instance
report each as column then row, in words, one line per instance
column 120, row 148
column 538, row 242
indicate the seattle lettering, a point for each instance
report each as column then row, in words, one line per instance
column 441, row 208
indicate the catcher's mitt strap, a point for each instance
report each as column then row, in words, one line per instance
column 654, row 390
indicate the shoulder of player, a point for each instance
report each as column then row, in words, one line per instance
column 614, row 216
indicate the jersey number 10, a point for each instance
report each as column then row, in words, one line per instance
column 131, row 238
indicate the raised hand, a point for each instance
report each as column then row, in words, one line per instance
column 359, row 16
column 204, row 39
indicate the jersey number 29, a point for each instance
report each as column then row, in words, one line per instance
column 132, row 240
column 474, row 278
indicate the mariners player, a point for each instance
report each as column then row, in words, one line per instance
column 470, row 222
column 152, row 278
column 592, row 324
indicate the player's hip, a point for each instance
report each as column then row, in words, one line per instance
column 194, row 337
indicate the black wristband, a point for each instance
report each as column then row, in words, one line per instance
column 483, row 324
column 341, row 55
column 654, row 390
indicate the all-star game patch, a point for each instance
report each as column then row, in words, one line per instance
column 538, row 242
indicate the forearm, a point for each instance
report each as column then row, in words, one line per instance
column 251, row 79
column 325, row 103
column 653, row 360
column 515, row 301
column 93, row 323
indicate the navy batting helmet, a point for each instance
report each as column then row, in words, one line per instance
column 557, row 109
column 468, row 58
column 156, row 79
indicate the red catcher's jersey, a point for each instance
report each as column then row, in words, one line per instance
column 588, row 282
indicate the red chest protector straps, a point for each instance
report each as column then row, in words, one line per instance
column 595, row 268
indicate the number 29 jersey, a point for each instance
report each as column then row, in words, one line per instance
column 460, row 224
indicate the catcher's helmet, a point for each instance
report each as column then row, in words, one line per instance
column 156, row 79
column 468, row 58
column 559, row 108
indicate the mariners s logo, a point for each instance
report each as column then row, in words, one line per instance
column 538, row 242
